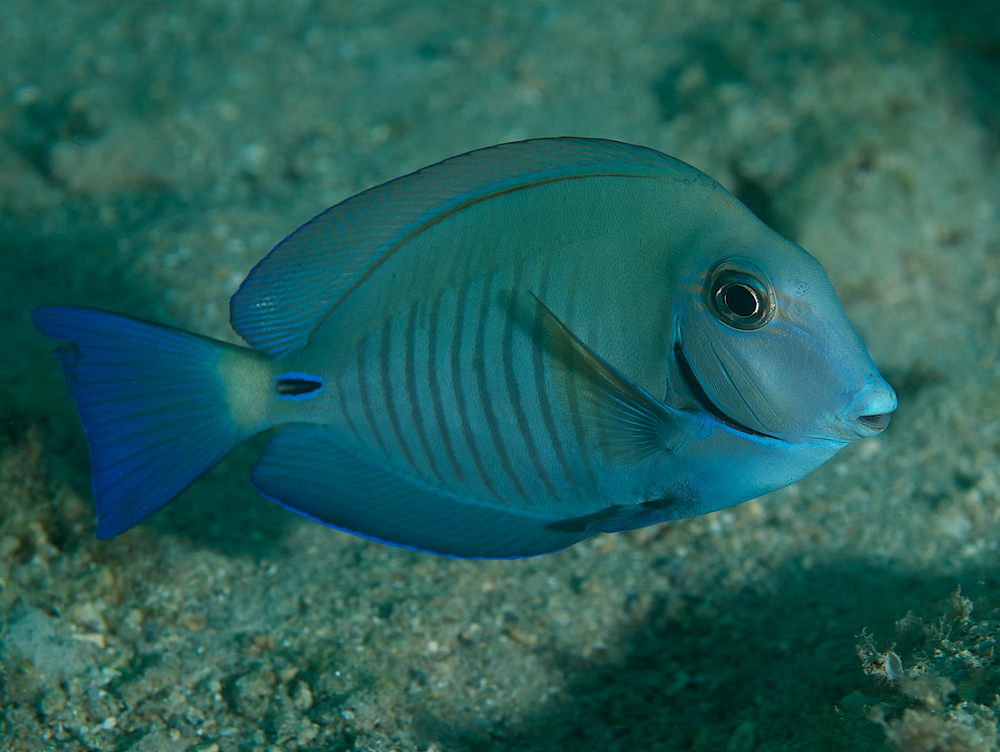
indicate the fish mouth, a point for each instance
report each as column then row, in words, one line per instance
column 877, row 422
column 699, row 394
column 869, row 409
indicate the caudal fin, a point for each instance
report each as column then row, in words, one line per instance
column 151, row 403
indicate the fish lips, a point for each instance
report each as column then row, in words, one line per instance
column 868, row 410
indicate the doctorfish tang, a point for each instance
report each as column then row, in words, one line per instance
column 496, row 356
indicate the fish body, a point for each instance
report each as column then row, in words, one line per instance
column 497, row 356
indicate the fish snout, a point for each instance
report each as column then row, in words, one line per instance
column 867, row 410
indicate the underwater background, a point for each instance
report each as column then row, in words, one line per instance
column 152, row 153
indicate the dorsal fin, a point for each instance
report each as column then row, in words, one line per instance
column 295, row 287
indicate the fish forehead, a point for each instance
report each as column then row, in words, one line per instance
column 804, row 296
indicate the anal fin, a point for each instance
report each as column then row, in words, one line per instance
column 305, row 469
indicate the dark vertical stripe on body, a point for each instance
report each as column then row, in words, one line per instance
column 538, row 366
column 572, row 389
column 384, row 364
column 514, row 392
column 435, row 387
column 573, row 397
column 456, row 385
column 342, row 396
column 366, row 405
column 411, row 390
column 479, row 368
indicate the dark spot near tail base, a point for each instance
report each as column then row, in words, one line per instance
column 297, row 386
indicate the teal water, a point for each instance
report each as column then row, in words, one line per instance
column 150, row 155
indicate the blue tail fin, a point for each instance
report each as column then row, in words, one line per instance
column 151, row 404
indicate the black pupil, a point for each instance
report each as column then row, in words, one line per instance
column 740, row 300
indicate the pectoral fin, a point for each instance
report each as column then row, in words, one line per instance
column 624, row 421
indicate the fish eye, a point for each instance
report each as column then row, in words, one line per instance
column 739, row 294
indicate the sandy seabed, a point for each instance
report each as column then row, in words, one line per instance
column 150, row 154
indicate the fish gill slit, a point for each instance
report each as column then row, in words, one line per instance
column 366, row 405
column 435, row 388
column 456, row 385
column 482, row 388
column 384, row 367
column 749, row 382
column 514, row 391
column 410, row 378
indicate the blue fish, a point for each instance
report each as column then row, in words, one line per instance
column 496, row 356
